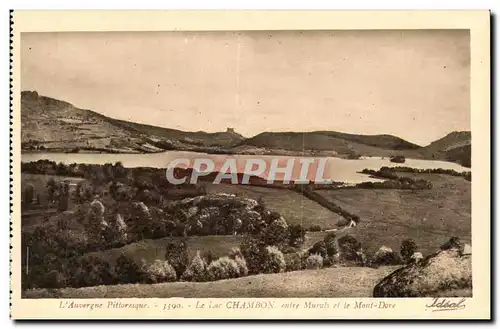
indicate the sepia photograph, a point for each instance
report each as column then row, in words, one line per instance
column 289, row 163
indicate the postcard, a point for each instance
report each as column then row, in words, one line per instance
column 250, row 165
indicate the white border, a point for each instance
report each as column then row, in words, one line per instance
column 146, row 4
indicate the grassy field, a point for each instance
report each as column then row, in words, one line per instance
column 296, row 208
column 430, row 217
column 38, row 213
column 150, row 250
column 219, row 245
column 39, row 182
column 330, row 282
column 387, row 216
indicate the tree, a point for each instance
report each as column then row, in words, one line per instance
column 319, row 248
column 63, row 196
column 223, row 268
column 385, row 256
column 297, row 235
column 127, row 270
column 277, row 233
column 119, row 171
column 252, row 249
column 142, row 220
column 159, row 271
column 408, row 248
column 197, row 270
column 113, row 190
column 331, row 244
column 261, row 206
column 108, row 172
column 84, row 192
column 274, row 261
column 177, row 256
column 314, row 262
column 453, row 243
column 120, row 230
column 95, row 219
column 29, row 193
column 51, row 189
column 61, row 169
column 349, row 247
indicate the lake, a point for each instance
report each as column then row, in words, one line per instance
column 336, row 169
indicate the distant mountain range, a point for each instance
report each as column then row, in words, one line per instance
column 49, row 124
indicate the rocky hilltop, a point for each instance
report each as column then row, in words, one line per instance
column 447, row 273
column 455, row 147
column 50, row 124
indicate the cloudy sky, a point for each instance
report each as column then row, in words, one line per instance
column 413, row 84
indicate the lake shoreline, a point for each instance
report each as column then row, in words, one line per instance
column 275, row 152
column 335, row 168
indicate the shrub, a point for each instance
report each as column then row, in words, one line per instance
column 252, row 249
column 319, row 248
column 177, row 256
column 296, row 261
column 127, row 271
column 315, row 228
column 235, row 252
column 63, row 196
column 416, row 257
column 274, row 261
column 51, row 189
column 96, row 212
column 197, row 270
column 223, row 268
column 54, row 279
column 314, row 262
column 170, row 227
column 159, row 230
column 142, row 219
column 261, row 206
column 106, row 272
column 385, row 256
column 28, row 194
column 120, row 230
column 328, row 262
column 398, row 159
column 84, row 192
column 349, row 248
column 331, row 244
column 297, row 235
column 159, row 271
column 453, row 243
column 408, row 248
column 242, row 265
column 289, row 250
column 208, row 256
column 93, row 271
column 342, row 222
column 277, row 233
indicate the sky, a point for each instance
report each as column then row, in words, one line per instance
column 412, row 84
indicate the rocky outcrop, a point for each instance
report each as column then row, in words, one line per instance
column 445, row 273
